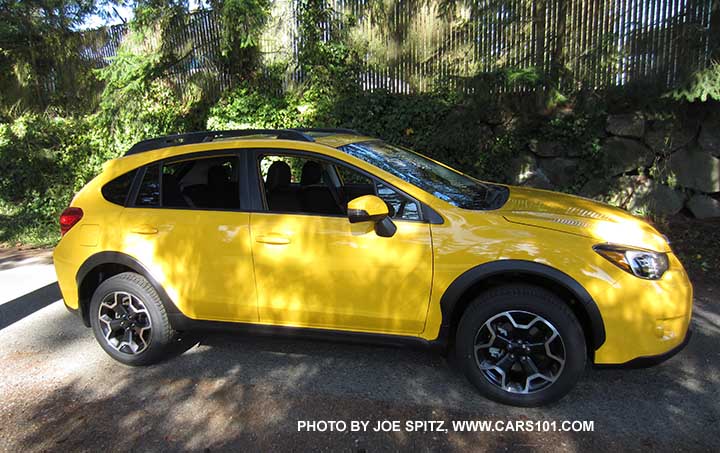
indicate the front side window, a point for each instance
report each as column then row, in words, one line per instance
column 432, row 177
column 355, row 184
column 314, row 186
column 402, row 207
column 199, row 183
column 298, row 184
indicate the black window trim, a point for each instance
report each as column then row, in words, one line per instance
column 259, row 153
column 242, row 173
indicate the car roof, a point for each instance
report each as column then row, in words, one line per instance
column 335, row 137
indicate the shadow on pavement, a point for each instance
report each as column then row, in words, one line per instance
column 228, row 392
column 17, row 309
column 224, row 391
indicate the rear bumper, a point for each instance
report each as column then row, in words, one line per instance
column 651, row 360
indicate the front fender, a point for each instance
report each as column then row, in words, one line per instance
column 519, row 268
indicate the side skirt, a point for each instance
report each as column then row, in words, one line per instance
column 184, row 324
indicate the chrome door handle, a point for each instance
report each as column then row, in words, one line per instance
column 145, row 229
column 275, row 239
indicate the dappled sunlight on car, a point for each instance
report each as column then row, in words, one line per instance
column 331, row 273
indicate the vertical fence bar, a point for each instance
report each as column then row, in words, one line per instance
column 575, row 43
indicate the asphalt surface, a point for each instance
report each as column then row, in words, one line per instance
column 59, row 391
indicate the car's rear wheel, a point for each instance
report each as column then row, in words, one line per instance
column 521, row 345
column 129, row 320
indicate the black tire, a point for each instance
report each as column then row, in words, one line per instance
column 521, row 298
column 161, row 334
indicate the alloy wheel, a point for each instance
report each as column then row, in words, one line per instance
column 519, row 351
column 125, row 322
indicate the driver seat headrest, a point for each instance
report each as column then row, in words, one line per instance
column 311, row 173
column 278, row 176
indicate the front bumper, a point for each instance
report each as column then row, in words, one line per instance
column 652, row 360
column 643, row 318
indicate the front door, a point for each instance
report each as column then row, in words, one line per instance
column 313, row 268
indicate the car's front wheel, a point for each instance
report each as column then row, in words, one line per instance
column 129, row 320
column 521, row 345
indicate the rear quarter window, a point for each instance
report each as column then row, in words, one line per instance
column 117, row 190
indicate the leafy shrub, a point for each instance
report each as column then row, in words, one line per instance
column 44, row 161
column 704, row 85
column 139, row 102
column 473, row 136
column 428, row 123
column 249, row 108
column 242, row 24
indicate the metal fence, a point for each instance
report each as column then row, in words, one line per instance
column 409, row 45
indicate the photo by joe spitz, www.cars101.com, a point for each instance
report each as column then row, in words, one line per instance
column 329, row 231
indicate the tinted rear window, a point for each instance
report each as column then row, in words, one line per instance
column 206, row 183
column 117, row 190
column 149, row 191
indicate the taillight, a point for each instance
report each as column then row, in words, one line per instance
column 69, row 218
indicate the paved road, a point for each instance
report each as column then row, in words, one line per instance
column 229, row 392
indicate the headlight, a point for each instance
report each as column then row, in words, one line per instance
column 641, row 263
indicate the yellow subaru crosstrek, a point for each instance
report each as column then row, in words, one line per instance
column 331, row 231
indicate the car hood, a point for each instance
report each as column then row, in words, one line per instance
column 580, row 216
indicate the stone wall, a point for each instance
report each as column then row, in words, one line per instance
column 658, row 164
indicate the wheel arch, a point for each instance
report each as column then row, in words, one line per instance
column 477, row 279
column 103, row 265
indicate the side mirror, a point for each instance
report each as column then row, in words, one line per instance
column 370, row 208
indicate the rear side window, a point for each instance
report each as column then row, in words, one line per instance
column 149, row 191
column 197, row 183
column 117, row 190
column 201, row 183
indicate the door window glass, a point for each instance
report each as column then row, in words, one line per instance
column 299, row 184
column 149, row 192
column 204, row 183
column 402, row 207
column 356, row 184
column 315, row 186
column 201, row 183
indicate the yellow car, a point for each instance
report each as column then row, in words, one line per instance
column 331, row 231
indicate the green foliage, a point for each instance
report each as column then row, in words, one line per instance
column 475, row 136
column 242, row 25
column 44, row 160
column 579, row 133
column 331, row 66
column 157, row 12
column 37, row 45
column 139, row 101
column 247, row 107
column 705, row 85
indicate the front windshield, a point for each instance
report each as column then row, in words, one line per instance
column 438, row 180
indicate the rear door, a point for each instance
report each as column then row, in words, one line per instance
column 186, row 224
